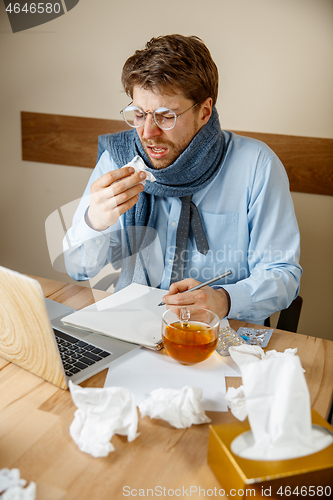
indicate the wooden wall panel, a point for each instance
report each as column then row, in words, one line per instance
column 72, row 140
column 307, row 160
column 64, row 140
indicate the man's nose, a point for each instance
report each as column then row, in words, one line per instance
column 150, row 129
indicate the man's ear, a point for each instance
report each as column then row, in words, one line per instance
column 205, row 111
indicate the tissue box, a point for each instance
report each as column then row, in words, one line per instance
column 309, row 476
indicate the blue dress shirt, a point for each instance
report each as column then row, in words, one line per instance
column 248, row 218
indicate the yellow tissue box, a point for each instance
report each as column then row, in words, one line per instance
column 304, row 477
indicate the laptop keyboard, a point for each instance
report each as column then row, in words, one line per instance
column 76, row 355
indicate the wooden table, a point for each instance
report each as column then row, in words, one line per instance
column 35, row 417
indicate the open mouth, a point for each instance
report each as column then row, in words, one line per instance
column 157, row 151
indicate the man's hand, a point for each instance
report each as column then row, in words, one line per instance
column 112, row 195
column 216, row 300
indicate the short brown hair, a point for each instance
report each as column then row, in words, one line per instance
column 173, row 62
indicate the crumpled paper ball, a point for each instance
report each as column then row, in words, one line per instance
column 181, row 408
column 101, row 414
column 236, row 401
column 12, row 486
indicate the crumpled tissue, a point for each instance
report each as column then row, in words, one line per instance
column 236, row 401
column 101, row 414
column 276, row 399
column 139, row 166
column 12, row 487
column 181, row 408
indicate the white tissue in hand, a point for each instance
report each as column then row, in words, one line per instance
column 277, row 402
column 13, row 486
column 181, row 408
column 101, row 414
column 139, row 166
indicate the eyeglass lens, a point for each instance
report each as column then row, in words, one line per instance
column 165, row 118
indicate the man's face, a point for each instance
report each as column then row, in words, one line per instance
column 164, row 146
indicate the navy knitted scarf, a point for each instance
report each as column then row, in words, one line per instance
column 195, row 168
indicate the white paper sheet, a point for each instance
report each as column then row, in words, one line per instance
column 132, row 314
column 144, row 371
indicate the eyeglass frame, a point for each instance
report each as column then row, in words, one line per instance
column 145, row 113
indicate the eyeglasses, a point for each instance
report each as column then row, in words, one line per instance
column 164, row 118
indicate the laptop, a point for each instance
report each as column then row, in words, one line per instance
column 33, row 336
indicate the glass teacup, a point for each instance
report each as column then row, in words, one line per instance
column 190, row 335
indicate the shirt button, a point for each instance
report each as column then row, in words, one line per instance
column 170, row 262
column 173, row 223
column 238, row 315
column 97, row 242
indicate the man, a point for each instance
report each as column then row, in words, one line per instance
column 219, row 201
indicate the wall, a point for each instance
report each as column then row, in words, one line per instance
column 275, row 61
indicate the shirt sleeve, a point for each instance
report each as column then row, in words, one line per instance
column 273, row 251
column 87, row 251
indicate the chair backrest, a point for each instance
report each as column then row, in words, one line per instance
column 289, row 318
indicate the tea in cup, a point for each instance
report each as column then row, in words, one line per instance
column 190, row 335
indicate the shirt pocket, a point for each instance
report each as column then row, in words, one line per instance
column 221, row 229
column 222, row 234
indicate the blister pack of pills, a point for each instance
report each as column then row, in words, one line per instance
column 229, row 337
column 259, row 337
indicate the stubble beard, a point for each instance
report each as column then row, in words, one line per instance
column 173, row 153
column 174, row 150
